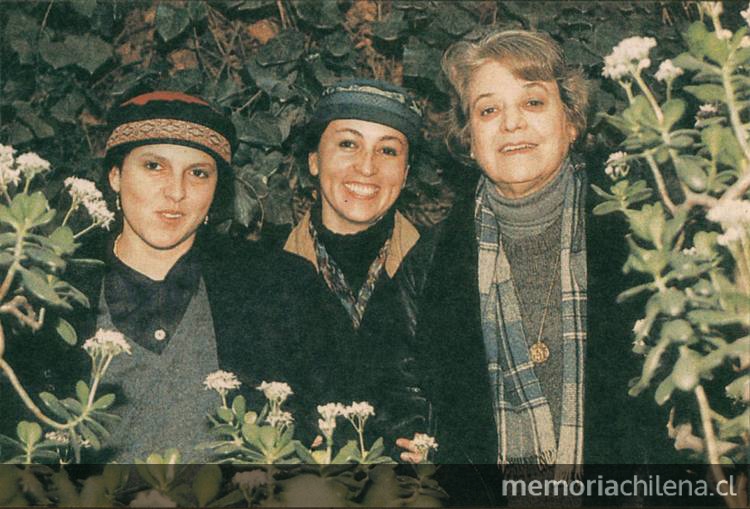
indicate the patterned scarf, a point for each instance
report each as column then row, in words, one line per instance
column 336, row 281
column 522, row 415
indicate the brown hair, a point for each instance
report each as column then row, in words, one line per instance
column 532, row 56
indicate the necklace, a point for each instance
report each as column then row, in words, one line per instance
column 539, row 352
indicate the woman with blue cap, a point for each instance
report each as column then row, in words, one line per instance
column 368, row 260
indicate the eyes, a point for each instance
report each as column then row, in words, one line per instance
column 199, row 172
column 531, row 104
column 390, row 149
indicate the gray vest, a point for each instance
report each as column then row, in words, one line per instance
column 165, row 403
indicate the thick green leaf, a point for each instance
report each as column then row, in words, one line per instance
column 29, row 432
column 66, row 332
column 706, row 93
column 63, row 240
column 673, row 111
column 55, row 406
column 691, row 172
column 82, row 392
column 206, row 484
column 104, row 402
column 607, row 208
column 40, row 288
column 44, row 257
column 171, row 20
column 239, row 406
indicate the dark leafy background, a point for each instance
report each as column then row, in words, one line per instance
column 63, row 64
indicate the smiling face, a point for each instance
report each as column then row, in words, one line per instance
column 362, row 168
column 519, row 131
column 165, row 193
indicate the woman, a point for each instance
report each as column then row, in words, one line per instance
column 367, row 260
column 188, row 302
column 517, row 374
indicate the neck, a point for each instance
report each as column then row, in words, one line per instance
column 149, row 261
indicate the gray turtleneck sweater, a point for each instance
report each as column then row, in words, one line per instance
column 530, row 229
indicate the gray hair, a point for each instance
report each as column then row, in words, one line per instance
column 532, row 56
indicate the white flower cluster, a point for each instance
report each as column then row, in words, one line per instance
column 616, row 168
column 668, row 71
column 85, row 192
column 746, row 14
column 59, row 437
column 222, row 382
column 30, row 164
column 424, row 443
column 278, row 419
column 329, row 412
column 361, row 409
column 8, row 173
column 734, row 217
column 275, row 391
column 106, row 343
column 705, row 111
column 63, row 438
column 250, row 479
column 630, row 55
column 152, row 498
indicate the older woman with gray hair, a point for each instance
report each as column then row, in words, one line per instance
column 516, row 372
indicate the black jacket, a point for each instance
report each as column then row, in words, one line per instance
column 617, row 427
column 253, row 298
column 374, row 363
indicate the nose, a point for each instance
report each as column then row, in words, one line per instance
column 175, row 188
column 367, row 165
column 513, row 119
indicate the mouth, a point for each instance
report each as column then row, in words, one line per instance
column 362, row 190
column 517, row 148
column 170, row 215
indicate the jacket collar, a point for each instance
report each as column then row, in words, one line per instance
column 403, row 239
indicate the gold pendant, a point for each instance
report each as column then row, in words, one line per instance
column 539, row 353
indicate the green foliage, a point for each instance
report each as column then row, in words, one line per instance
column 691, row 239
column 265, row 63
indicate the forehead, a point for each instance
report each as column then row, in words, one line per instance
column 496, row 78
column 365, row 129
column 173, row 152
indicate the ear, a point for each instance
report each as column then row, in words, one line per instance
column 406, row 176
column 114, row 179
column 312, row 163
column 572, row 133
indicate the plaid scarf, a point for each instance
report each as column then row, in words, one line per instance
column 336, row 282
column 522, row 415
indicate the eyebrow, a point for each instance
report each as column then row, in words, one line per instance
column 387, row 137
column 208, row 162
column 530, row 84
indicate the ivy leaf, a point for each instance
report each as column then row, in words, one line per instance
column 262, row 129
column 86, row 51
column 83, row 7
column 67, row 108
column 288, row 46
column 391, row 28
column 421, row 61
column 171, row 21
column 20, row 32
column 453, row 20
column 28, row 116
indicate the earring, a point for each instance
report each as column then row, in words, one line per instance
column 117, row 203
column 471, row 154
column 205, row 219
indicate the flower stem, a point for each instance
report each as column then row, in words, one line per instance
column 73, row 206
column 710, row 439
column 86, row 230
column 660, row 185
